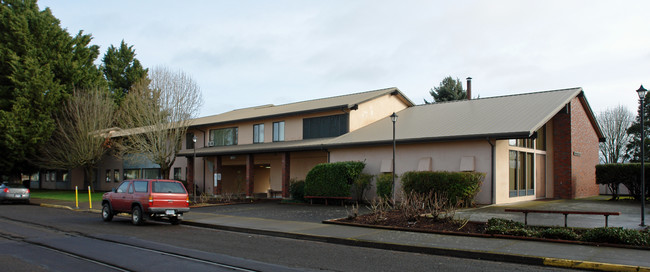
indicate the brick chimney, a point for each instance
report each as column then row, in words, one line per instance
column 469, row 88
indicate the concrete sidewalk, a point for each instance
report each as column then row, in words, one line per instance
column 302, row 222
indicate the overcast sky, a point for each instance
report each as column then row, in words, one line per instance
column 249, row 53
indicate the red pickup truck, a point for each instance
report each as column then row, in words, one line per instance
column 147, row 198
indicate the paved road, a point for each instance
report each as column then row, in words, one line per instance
column 77, row 232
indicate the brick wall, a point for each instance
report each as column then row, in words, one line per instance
column 584, row 142
column 575, row 146
column 562, row 185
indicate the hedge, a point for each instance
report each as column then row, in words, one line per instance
column 332, row 179
column 297, row 190
column 627, row 174
column 458, row 187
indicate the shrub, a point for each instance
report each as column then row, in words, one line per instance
column 508, row 227
column 617, row 236
column 459, row 187
column 297, row 190
column 332, row 179
column 628, row 174
column 385, row 185
column 559, row 233
column 360, row 185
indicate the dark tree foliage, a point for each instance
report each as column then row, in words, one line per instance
column 121, row 69
column 449, row 90
column 40, row 65
column 633, row 147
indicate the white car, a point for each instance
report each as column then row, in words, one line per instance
column 14, row 192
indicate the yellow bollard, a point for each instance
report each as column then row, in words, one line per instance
column 90, row 200
column 76, row 196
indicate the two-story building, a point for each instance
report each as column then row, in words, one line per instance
column 531, row 146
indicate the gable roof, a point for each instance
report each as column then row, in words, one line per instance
column 346, row 102
column 504, row 117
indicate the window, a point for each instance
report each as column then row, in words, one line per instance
column 540, row 143
column 521, row 173
column 224, row 136
column 258, row 133
column 123, row 187
column 116, row 175
column 189, row 140
column 278, row 131
column 177, row 173
column 167, row 187
column 108, row 175
column 151, row 173
column 526, row 143
column 141, row 186
column 131, row 173
column 325, row 126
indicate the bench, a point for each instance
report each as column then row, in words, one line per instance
column 311, row 198
column 274, row 194
column 566, row 213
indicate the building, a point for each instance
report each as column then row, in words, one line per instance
column 531, row 146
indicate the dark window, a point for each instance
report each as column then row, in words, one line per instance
column 177, row 173
column 325, row 126
column 167, row 187
column 223, row 136
column 189, row 142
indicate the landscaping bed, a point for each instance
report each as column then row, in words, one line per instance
column 501, row 228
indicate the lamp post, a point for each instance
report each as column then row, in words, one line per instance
column 393, row 118
column 193, row 161
column 642, row 92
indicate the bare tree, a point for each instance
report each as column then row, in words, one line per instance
column 614, row 123
column 158, row 111
column 80, row 138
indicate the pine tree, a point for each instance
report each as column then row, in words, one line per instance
column 121, row 69
column 40, row 65
column 633, row 147
column 449, row 90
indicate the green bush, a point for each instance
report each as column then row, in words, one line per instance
column 332, row 179
column 628, row 174
column 508, row 227
column 297, row 190
column 360, row 185
column 385, row 185
column 559, row 233
column 617, row 236
column 459, row 187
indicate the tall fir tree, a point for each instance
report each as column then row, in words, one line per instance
column 40, row 65
column 634, row 147
column 449, row 90
column 121, row 70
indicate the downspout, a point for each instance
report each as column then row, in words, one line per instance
column 494, row 168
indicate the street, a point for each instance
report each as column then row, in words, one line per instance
column 34, row 238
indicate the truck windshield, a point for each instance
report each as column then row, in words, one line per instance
column 167, row 187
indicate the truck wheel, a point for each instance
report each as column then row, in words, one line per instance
column 137, row 217
column 107, row 212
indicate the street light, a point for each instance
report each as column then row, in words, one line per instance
column 642, row 92
column 393, row 118
column 193, row 161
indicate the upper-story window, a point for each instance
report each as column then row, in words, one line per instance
column 278, row 131
column 189, row 143
column 539, row 143
column 325, row 126
column 258, row 133
column 223, row 136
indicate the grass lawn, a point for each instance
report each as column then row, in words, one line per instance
column 64, row 195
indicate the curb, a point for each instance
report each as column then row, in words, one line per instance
column 467, row 254
column 68, row 208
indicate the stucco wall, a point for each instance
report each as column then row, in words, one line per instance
column 373, row 110
column 444, row 157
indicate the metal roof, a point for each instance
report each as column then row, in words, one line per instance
column 504, row 117
column 349, row 101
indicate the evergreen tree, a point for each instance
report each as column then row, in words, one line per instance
column 449, row 90
column 633, row 147
column 121, row 69
column 40, row 65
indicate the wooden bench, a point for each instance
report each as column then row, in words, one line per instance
column 566, row 213
column 311, row 198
